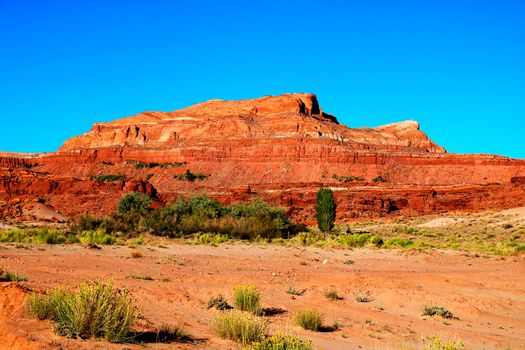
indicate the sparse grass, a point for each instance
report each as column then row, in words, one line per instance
column 331, row 294
column 218, row 302
column 206, row 238
column 6, row 276
column 189, row 176
column 437, row 310
column 247, row 297
column 142, row 277
column 240, row 326
column 281, row 342
column 309, row 319
column 96, row 309
column 296, row 292
column 364, row 297
column 348, row 262
column 34, row 235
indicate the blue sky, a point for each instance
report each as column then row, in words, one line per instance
column 458, row 67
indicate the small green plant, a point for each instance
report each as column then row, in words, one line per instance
column 139, row 202
column 437, row 310
column 348, row 262
column 96, row 309
column 281, row 342
column 364, row 297
column 325, row 209
column 240, row 326
column 6, row 276
column 218, row 302
column 309, row 319
column 331, row 295
column 247, row 297
column 97, row 237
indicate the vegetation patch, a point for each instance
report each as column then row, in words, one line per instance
column 218, row 302
column 331, row 294
column 281, row 342
column 239, row 326
column 191, row 177
column 6, row 276
column 96, row 310
column 344, row 178
column 109, row 178
column 309, row 319
column 247, row 297
column 437, row 310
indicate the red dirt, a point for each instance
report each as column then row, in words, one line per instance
column 486, row 294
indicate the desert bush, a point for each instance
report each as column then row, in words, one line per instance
column 206, row 238
column 141, row 277
column 218, row 302
column 247, row 297
column 6, row 276
column 240, row 326
column 189, row 176
column 48, row 305
column 437, row 310
column 85, row 223
column 354, row 239
column 309, row 319
column 169, row 333
column 96, row 309
column 98, row 237
column 331, row 294
column 325, row 209
column 379, row 179
column 399, row 242
column 439, row 344
column 364, row 297
column 134, row 201
column 281, row 342
column 38, row 235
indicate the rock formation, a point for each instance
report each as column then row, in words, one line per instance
column 281, row 148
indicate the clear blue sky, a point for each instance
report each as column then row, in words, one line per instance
column 458, row 67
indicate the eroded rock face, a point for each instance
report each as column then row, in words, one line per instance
column 280, row 148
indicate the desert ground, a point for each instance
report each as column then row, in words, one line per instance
column 484, row 291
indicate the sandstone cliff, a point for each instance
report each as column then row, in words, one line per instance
column 281, row 148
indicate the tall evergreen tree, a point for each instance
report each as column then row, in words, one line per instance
column 325, row 209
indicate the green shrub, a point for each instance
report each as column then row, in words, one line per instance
column 247, row 297
column 189, row 176
column 109, row 178
column 354, row 239
column 281, row 342
column 331, row 295
column 206, row 238
column 520, row 248
column 139, row 202
column 96, row 309
column 98, row 237
column 6, row 276
column 240, row 326
column 399, row 242
column 437, row 310
column 325, row 209
column 39, row 235
column 218, row 302
column 309, row 319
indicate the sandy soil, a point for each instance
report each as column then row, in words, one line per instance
column 486, row 294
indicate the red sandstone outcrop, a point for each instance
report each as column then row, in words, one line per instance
column 281, row 148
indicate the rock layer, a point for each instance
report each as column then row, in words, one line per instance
column 281, row 148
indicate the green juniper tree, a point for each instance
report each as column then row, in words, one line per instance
column 325, row 209
column 134, row 200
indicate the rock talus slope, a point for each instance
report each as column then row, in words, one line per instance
column 281, row 148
